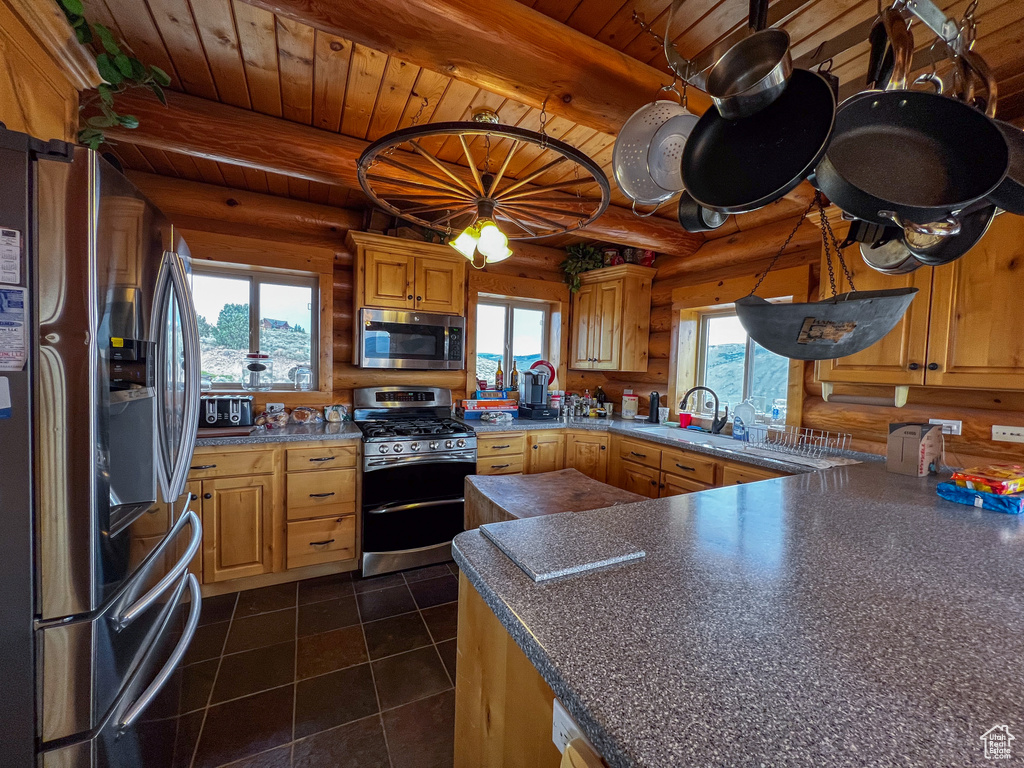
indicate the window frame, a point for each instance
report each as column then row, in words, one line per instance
column 257, row 277
column 510, row 305
column 702, row 351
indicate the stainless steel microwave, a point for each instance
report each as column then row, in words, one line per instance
column 393, row 338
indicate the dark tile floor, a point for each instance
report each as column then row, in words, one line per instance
column 337, row 671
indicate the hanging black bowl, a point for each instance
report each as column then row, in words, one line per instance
column 824, row 330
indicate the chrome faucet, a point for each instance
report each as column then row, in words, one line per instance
column 717, row 424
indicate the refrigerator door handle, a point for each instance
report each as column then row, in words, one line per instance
column 122, row 619
column 135, row 711
column 157, row 332
column 190, row 333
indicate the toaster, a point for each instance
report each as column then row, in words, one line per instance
column 225, row 411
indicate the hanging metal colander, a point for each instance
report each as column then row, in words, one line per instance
column 633, row 146
column 835, row 327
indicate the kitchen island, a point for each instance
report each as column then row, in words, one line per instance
column 846, row 617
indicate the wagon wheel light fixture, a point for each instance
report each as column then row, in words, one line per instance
column 555, row 188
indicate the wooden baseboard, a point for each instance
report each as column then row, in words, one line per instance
column 269, row 579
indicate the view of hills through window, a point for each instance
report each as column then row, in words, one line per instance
column 283, row 320
column 528, row 344
column 726, row 362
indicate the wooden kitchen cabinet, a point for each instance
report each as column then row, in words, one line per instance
column 545, row 451
column 741, row 474
column 962, row 329
column 392, row 273
column 611, row 319
column 587, row 452
column 673, row 485
column 237, row 525
column 501, row 453
column 637, row 478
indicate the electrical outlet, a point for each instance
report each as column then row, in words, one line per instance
column 949, row 426
column 1008, row 434
column 564, row 728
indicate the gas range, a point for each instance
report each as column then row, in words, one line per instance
column 410, row 424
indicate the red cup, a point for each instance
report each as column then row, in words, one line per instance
column 685, row 419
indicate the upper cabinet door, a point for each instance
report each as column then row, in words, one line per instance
column 440, row 285
column 978, row 314
column 606, row 326
column 582, row 319
column 899, row 358
column 389, row 280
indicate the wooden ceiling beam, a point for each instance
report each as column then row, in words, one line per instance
column 501, row 46
column 227, row 134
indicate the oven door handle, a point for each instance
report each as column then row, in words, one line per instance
column 415, row 505
column 377, row 463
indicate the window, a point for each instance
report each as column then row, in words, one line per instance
column 251, row 311
column 736, row 366
column 510, row 331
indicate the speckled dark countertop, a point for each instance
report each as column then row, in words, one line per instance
column 343, row 430
column 847, row 617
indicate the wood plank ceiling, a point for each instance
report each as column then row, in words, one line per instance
column 229, row 51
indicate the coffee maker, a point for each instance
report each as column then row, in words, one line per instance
column 533, row 396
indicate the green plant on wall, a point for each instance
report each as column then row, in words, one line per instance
column 120, row 71
column 580, row 258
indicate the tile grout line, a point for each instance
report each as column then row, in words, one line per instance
column 213, row 686
column 429, row 633
column 373, row 677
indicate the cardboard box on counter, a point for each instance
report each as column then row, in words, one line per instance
column 914, row 449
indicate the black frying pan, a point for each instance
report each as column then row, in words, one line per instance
column 1010, row 194
column 921, row 155
column 737, row 166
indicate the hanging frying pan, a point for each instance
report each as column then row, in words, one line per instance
column 920, row 155
column 737, row 166
column 1010, row 194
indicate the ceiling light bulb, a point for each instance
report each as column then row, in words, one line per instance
column 498, row 256
column 493, row 241
column 466, row 242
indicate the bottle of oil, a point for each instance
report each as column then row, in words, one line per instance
column 514, row 384
column 499, row 377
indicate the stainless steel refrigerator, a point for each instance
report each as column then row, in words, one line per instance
column 99, row 398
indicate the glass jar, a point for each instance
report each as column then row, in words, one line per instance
column 257, row 372
column 303, row 378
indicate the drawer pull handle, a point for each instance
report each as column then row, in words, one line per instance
column 320, row 495
column 321, row 543
column 604, row 447
column 325, row 458
column 688, row 469
column 499, row 447
column 638, row 455
column 500, row 466
column 204, row 466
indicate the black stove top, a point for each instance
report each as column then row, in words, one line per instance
column 397, row 428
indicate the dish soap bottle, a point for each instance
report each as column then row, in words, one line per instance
column 743, row 418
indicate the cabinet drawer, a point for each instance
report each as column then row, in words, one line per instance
column 309, row 459
column 689, row 465
column 321, row 541
column 499, row 445
column 734, row 474
column 319, row 494
column 228, row 464
column 500, row 465
column 673, row 485
column 640, row 453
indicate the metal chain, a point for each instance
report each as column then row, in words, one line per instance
column 778, row 255
column 544, row 124
column 824, row 241
column 487, row 153
column 419, row 113
column 638, row 18
column 839, row 251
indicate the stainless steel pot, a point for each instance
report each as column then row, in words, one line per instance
column 751, row 75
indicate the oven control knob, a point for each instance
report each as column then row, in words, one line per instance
column 433, row 445
column 383, row 448
column 448, row 444
column 414, row 447
column 461, row 444
column 398, row 447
